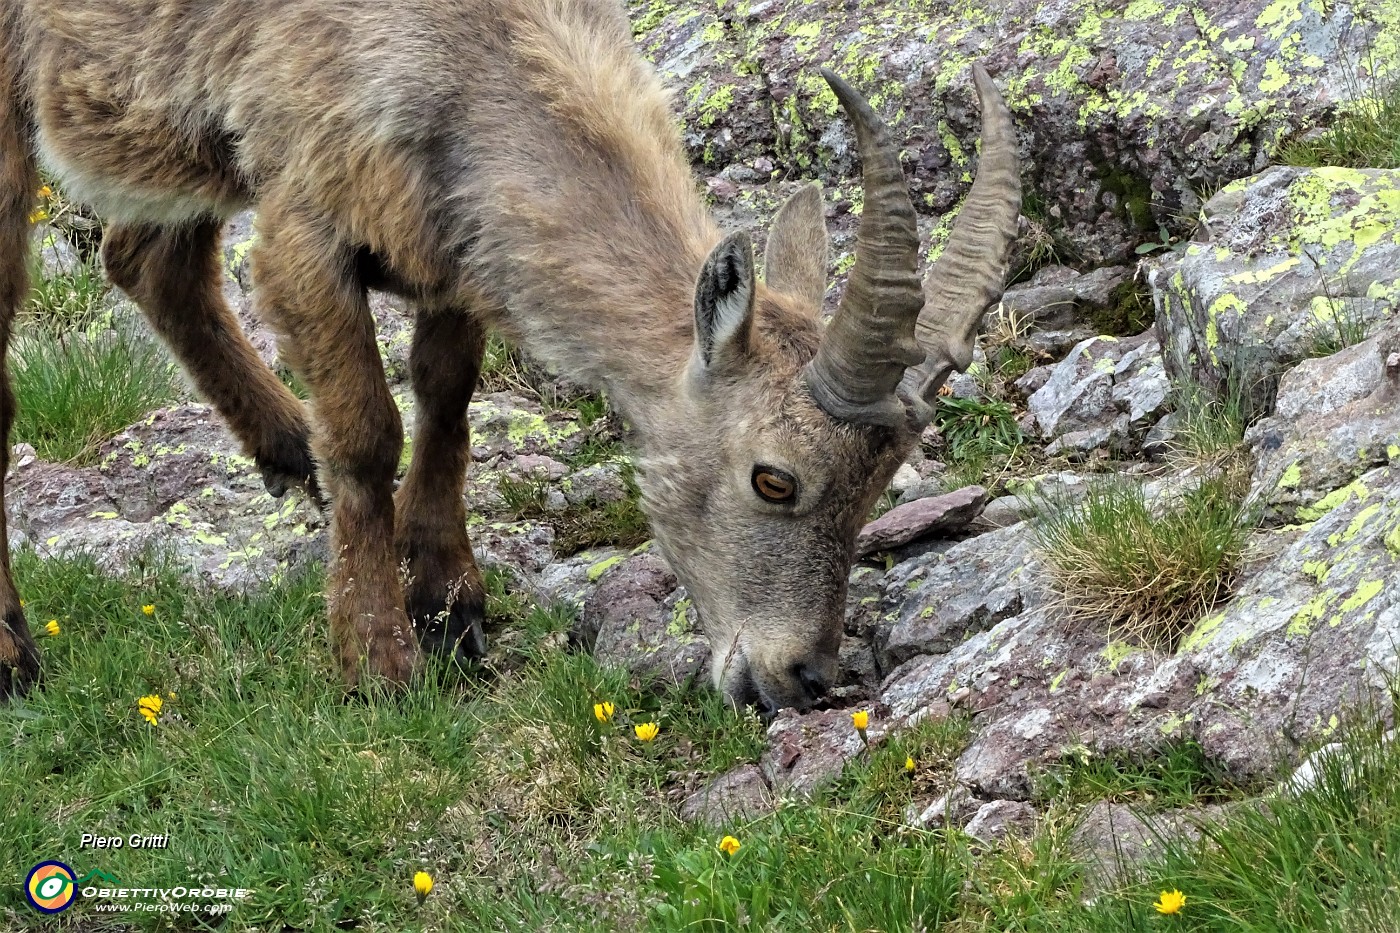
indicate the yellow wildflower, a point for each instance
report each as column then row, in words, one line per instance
column 149, row 609
column 1170, row 902
column 729, row 845
column 46, row 192
column 149, row 707
column 860, row 719
column 53, row 628
column 909, row 764
column 423, row 884
column 646, row 731
column 39, row 216
column 603, row 712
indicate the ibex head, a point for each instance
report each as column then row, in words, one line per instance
column 790, row 431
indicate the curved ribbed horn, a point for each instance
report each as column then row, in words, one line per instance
column 870, row 340
column 969, row 276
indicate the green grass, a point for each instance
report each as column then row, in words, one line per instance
column 1368, row 136
column 1179, row 774
column 1149, row 569
column 532, row 815
column 74, row 298
column 76, row 390
column 1342, row 325
column 981, row 438
column 578, row 528
column 1210, row 426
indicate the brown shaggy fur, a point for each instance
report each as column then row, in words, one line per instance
column 501, row 163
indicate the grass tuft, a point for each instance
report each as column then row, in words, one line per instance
column 76, row 390
column 1151, row 569
column 1368, row 136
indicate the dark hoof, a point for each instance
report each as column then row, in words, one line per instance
column 454, row 631
column 289, row 465
column 19, row 656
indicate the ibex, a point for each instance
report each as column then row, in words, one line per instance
column 508, row 164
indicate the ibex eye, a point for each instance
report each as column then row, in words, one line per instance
column 774, row 485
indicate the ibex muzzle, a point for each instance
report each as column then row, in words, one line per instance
column 509, row 164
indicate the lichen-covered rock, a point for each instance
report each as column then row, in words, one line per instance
column 1294, row 257
column 1113, row 838
column 175, row 480
column 1127, row 107
column 1310, row 631
column 639, row 620
column 1104, row 394
column 933, row 602
column 1337, row 418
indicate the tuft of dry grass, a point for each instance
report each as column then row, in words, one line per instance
column 1149, row 569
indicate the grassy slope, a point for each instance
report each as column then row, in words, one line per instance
column 532, row 815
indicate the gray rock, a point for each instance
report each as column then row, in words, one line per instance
column 922, row 518
column 1287, row 251
column 933, row 602
column 1104, row 393
column 923, row 489
column 953, row 807
column 807, row 750
column 637, row 619
column 1111, row 838
column 1121, row 121
column 597, row 484
column 732, row 798
column 904, row 479
column 1331, row 429
column 998, row 819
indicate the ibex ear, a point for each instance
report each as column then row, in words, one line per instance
column 724, row 299
column 799, row 250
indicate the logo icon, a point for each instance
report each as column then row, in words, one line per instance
column 50, row 887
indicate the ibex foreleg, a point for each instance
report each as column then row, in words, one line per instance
column 19, row 657
column 446, row 599
column 173, row 275
column 309, row 291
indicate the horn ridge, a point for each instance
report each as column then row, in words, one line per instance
column 871, row 341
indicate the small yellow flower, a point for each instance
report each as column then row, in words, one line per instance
column 45, row 192
column 646, row 731
column 423, row 884
column 729, row 845
column 39, row 216
column 603, row 712
column 860, row 719
column 53, row 628
column 909, row 764
column 149, row 609
column 1170, row 902
column 149, row 707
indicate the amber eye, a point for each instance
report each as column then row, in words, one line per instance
column 774, row 485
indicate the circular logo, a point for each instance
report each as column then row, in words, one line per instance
column 50, row 887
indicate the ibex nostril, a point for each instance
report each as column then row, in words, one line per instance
column 812, row 680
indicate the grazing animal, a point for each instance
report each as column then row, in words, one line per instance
column 508, row 164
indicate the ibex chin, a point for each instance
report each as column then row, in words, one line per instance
column 508, row 164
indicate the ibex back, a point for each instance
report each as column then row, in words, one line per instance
column 510, row 164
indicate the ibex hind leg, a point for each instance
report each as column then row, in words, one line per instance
column 19, row 181
column 312, row 295
column 445, row 595
column 173, row 275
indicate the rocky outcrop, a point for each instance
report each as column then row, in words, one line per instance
column 1293, row 263
column 1103, row 396
column 1127, row 108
